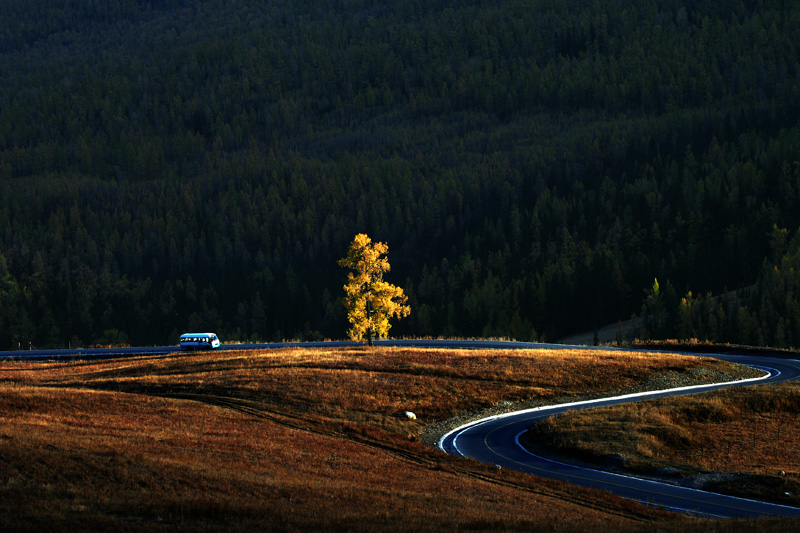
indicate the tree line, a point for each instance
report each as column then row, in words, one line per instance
column 172, row 166
column 766, row 313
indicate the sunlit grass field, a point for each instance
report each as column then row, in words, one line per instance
column 302, row 439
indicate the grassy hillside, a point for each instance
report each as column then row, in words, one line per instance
column 749, row 435
column 534, row 165
column 299, row 440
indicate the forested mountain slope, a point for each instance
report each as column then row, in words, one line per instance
column 533, row 165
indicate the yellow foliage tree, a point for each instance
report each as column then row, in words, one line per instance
column 369, row 300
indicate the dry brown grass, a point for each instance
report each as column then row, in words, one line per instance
column 752, row 433
column 293, row 440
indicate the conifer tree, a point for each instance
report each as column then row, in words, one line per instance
column 369, row 300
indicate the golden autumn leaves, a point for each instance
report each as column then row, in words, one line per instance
column 369, row 300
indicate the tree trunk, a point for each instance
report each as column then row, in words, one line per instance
column 369, row 327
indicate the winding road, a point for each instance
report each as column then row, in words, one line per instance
column 496, row 440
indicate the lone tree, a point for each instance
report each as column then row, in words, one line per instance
column 369, row 300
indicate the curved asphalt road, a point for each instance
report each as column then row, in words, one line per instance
column 495, row 440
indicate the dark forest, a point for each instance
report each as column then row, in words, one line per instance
column 534, row 166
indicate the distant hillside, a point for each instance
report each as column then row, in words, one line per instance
column 169, row 166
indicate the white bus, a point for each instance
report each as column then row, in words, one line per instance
column 199, row 341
